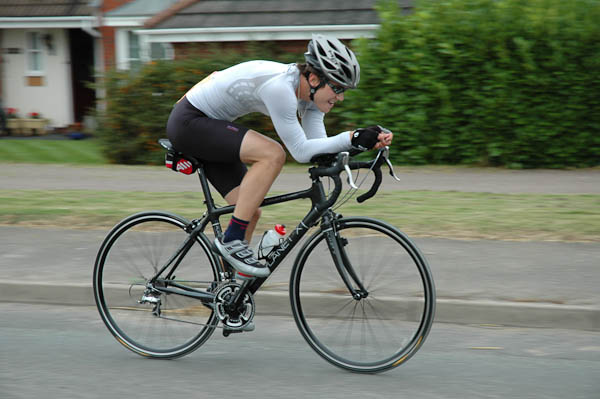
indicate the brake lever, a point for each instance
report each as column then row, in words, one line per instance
column 345, row 160
column 386, row 156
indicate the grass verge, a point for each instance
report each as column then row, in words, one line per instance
column 51, row 151
column 417, row 213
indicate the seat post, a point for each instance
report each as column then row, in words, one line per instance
column 210, row 203
column 208, row 199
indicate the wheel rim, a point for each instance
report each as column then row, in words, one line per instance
column 374, row 333
column 132, row 253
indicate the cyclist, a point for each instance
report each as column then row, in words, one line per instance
column 201, row 124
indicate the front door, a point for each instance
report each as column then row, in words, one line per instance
column 82, row 72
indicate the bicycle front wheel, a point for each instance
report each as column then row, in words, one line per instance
column 146, row 321
column 377, row 332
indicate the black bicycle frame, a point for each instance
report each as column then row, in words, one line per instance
column 320, row 210
column 320, row 204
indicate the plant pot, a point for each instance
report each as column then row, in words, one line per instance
column 34, row 125
column 14, row 126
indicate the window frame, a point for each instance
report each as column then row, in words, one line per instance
column 167, row 48
column 29, row 52
column 132, row 62
column 125, row 42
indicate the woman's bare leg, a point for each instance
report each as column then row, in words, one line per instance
column 267, row 158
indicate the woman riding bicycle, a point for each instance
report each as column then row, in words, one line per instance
column 201, row 125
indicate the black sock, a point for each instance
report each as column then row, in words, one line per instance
column 236, row 230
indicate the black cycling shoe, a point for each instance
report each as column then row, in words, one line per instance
column 241, row 258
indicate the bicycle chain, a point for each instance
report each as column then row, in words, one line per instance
column 218, row 286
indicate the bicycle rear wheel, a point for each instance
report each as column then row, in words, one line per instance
column 371, row 334
column 163, row 325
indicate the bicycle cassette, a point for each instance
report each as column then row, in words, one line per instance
column 233, row 319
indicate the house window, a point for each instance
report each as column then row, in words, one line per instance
column 35, row 64
column 161, row 51
column 134, row 58
column 133, row 50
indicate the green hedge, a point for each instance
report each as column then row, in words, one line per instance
column 487, row 82
column 492, row 82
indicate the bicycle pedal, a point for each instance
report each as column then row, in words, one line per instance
column 227, row 332
column 247, row 328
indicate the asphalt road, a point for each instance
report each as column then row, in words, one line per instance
column 66, row 352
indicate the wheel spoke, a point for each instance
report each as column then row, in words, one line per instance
column 166, row 325
column 374, row 333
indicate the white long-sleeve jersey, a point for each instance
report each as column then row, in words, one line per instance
column 270, row 88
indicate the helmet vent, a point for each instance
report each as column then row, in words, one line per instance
column 321, row 50
column 338, row 77
column 328, row 64
column 346, row 70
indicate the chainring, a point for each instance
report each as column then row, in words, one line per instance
column 239, row 318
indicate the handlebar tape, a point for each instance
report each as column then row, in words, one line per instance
column 362, row 198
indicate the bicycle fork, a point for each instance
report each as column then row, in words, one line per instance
column 337, row 244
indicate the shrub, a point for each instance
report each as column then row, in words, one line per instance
column 492, row 82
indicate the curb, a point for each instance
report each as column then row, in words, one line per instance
column 455, row 311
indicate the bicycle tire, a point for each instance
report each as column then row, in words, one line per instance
column 133, row 252
column 376, row 333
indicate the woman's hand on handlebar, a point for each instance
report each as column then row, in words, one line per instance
column 372, row 137
column 384, row 139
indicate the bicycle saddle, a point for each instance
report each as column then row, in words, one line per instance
column 166, row 144
column 178, row 161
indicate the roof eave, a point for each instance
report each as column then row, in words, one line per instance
column 116, row 22
column 258, row 33
column 47, row 22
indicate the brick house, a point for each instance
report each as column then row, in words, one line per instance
column 51, row 49
column 187, row 26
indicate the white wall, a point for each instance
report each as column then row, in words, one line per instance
column 53, row 100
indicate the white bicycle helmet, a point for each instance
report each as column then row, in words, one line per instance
column 334, row 60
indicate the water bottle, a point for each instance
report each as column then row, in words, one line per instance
column 269, row 241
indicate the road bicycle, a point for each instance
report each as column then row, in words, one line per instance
column 361, row 292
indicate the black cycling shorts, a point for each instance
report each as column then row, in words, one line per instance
column 215, row 142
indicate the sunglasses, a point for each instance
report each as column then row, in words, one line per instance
column 336, row 89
